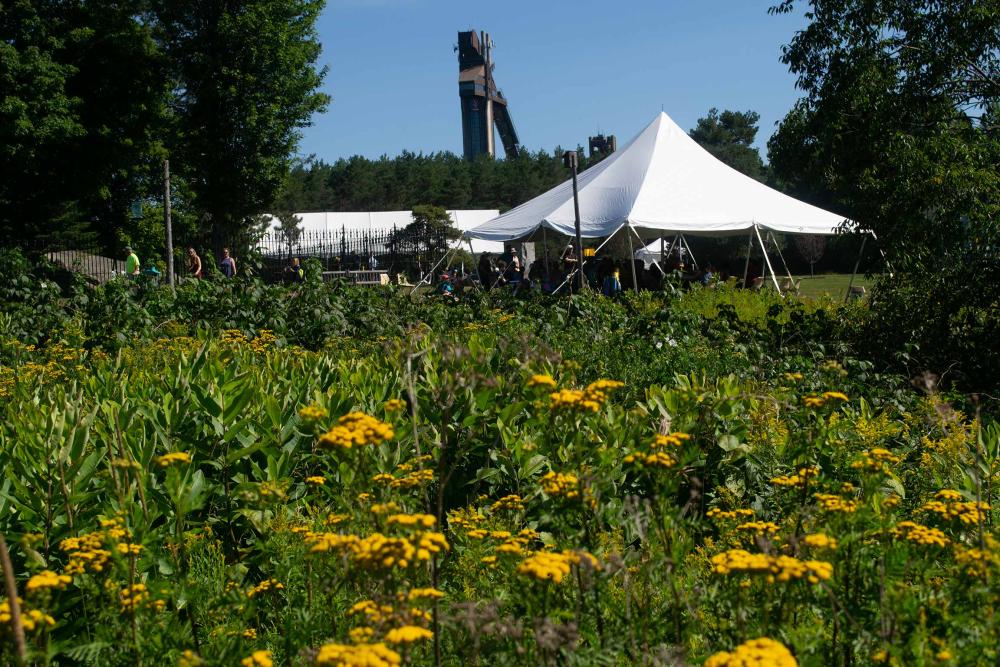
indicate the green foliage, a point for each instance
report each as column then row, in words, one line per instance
column 438, row 179
column 897, row 130
column 729, row 136
column 247, row 83
column 209, row 479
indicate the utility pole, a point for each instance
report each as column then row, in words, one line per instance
column 166, row 222
column 572, row 160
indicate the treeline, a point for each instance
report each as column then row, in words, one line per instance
column 440, row 179
column 447, row 180
column 94, row 95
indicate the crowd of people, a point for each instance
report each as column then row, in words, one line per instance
column 606, row 274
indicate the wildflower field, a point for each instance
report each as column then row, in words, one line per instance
column 711, row 479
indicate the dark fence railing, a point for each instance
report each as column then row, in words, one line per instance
column 397, row 252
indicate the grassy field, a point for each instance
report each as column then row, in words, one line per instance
column 831, row 284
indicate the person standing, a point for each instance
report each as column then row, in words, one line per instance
column 194, row 264
column 228, row 264
column 132, row 265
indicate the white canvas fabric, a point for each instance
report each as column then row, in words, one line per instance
column 372, row 221
column 661, row 183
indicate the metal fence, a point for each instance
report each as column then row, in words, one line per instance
column 397, row 252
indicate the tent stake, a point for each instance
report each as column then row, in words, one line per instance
column 768, row 261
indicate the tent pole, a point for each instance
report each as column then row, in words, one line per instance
column 882, row 252
column 850, row 283
column 597, row 250
column 694, row 261
column 746, row 265
column 791, row 281
column 473, row 253
column 670, row 250
column 631, row 258
column 431, row 272
column 768, row 261
column 545, row 254
column 663, row 245
column 662, row 272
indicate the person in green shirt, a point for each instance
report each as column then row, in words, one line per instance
column 131, row 262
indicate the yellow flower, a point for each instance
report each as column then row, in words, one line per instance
column 411, row 520
column 312, row 413
column 541, row 381
column 513, row 503
column 265, row 586
column 408, row 634
column 545, row 566
column 918, row 534
column 357, row 655
column 819, row 541
column 834, row 395
column 189, row 659
column 424, row 594
column 48, row 579
column 171, row 458
column 316, row 480
column 394, row 405
column 258, row 659
column 762, row 651
column 356, row 429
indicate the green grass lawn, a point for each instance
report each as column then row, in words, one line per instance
column 833, row 285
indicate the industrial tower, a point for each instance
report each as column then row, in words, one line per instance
column 480, row 111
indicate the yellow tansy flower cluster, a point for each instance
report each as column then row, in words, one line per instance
column 761, row 528
column 171, row 458
column 777, row 568
column 356, row 429
column 313, row 413
column 591, row 398
column 650, row 460
column 351, row 655
column 394, row 405
column 316, row 480
column 424, row 594
column 818, row 541
column 47, row 579
column 264, row 587
column 546, row 566
column 411, row 520
column 557, row 484
column 832, row 503
column 876, row 460
column 978, row 562
column 919, row 534
column 820, row 401
column 762, row 652
column 675, row 439
column 258, row 659
column 541, row 381
column 950, row 505
column 513, row 503
column 413, row 479
column 408, row 634
column 31, row 619
column 798, row 480
column 729, row 515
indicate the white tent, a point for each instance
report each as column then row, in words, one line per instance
column 380, row 221
column 661, row 184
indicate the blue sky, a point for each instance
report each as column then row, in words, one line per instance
column 567, row 68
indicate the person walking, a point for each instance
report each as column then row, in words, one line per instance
column 132, row 265
column 194, row 264
column 228, row 264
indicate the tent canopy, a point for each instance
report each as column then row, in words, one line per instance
column 661, row 183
